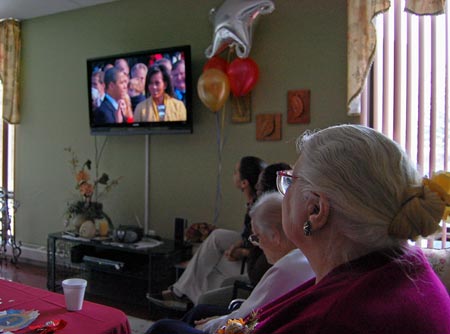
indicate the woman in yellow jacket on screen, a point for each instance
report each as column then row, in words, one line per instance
column 161, row 106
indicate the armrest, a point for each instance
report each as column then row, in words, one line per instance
column 243, row 285
column 235, row 304
column 230, row 280
column 219, row 296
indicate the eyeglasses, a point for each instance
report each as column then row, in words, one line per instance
column 284, row 180
column 254, row 239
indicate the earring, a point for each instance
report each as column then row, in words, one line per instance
column 307, row 228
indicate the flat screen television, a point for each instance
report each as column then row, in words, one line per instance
column 145, row 92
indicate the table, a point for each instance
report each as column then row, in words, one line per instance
column 93, row 318
column 137, row 273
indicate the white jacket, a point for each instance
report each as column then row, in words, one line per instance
column 286, row 274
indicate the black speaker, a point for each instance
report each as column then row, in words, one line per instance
column 178, row 235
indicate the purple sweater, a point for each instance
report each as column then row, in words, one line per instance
column 372, row 294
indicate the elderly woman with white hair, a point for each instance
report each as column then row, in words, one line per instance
column 290, row 269
column 351, row 203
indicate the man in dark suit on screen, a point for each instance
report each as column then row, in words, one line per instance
column 116, row 84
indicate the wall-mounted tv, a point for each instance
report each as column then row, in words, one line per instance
column 145, row 92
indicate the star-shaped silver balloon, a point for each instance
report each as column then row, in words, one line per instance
column 233, row 25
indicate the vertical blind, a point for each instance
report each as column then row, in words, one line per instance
column 406, row 97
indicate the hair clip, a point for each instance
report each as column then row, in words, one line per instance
column 440, row 184
column 435, row 184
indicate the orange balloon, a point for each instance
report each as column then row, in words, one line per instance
column 213, row 88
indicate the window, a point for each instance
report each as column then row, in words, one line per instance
column 406, row 94
column 7, row 135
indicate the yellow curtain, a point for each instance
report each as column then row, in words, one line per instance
column 10, row 44
column 361, row 39
column 425, row 7
column 361, row 42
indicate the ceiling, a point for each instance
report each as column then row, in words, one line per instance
column 27, row 9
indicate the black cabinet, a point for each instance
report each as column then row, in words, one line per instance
column 120, row 272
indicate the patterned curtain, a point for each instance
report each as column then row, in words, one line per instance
column 10, row 44
column 361, row 40
column 425, row 7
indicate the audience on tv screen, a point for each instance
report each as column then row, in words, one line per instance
column 148, row 89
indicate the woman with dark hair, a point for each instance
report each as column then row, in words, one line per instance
column 160, row 104
column 219, row 255
column 267, row 180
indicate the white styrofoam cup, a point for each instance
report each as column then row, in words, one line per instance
column 74, row 289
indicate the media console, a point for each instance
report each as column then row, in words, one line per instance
column 116, row 271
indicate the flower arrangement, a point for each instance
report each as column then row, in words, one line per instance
column 198, row 232
column 240, row 326
column 88, row 189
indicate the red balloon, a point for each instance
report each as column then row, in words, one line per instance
column 243, row 74
column 217, row 63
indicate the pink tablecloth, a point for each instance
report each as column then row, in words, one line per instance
column 92, row 319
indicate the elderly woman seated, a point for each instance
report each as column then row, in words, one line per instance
column 290, row 268
column 351, row 203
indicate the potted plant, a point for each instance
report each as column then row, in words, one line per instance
column 87, row 210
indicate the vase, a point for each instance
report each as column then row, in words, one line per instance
column 92, row 212
column 76, row 221
column 103, row 223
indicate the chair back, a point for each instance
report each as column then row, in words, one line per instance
column 437, row 251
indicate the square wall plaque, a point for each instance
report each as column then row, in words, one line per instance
column 241, row 108
column 298, row 106
column 268, row 126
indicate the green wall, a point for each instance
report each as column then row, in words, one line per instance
column 302, row 44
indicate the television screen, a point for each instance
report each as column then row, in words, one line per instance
column 146, row 92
